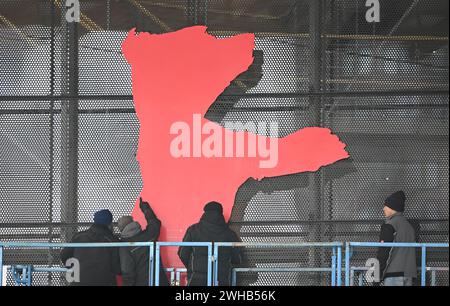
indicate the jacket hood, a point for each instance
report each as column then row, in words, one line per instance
column 100, row 229
column 213, row 222
column 132, row 229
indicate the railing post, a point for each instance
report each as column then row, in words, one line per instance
column 1, row 265
column 347, row 264
column 210, row 261
column 178, row 277
column 352, row 276
column 433, row 278
column 423, row 275
column 29, row 274
column 233, row 278
column 360, row 279
column 157, row 255
column 333, row 268
column 339, row 266
column 216, row 264
column 150, row 264
column 172, row 277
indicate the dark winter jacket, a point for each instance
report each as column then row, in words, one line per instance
column 135, row 260
column 211, row 228
column 397, row 261
column 98, row 266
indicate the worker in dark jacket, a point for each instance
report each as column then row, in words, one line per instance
column 211, row 228
column 135, row 260
column 98, row 266
column 397, row 265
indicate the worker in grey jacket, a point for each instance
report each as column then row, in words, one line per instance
column 134, row 261
column 397, row 265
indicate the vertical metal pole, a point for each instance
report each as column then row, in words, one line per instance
column 191, row 11
column 157, row 255
column 347, row 264
column 197, row 12
column 172, row 277
column 423, row 275
column 202, row 12
column 216, row 265
column 178, row 278
column 352, row 276
column 150, row 266
column 69, row 127
column 210, row 261
column 29, row 274
column 24, row 276
column 339, row 266
column 433, row 278
column 233, row 278
column 333, row 268
column 1, row 265
column 315, row 79
column 51, row 137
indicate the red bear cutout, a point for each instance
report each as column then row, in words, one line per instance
column 175, row 78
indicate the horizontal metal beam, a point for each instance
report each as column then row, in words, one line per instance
column 43, row 224
column 20, row 236
column 332, row 108
column 38, row 111
column 245, row 95
column 262, row 222
column 287, row 270
column 46, row 245
column 398, row 244
column 279, row 245
column 333, row 233
column 303, row 222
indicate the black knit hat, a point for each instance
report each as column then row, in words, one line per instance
column 396, row 201
column 213, row 206
column 103, row 217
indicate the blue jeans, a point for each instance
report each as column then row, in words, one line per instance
column 398, row 281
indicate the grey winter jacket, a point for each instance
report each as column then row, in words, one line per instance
column 397, row 261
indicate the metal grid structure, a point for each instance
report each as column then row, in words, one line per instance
column 69, row 132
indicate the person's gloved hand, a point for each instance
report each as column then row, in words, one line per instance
column 143, row 205
column 145, row 208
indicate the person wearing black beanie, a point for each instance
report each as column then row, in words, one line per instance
column 211, row 228
column 98, row 266
column 397, row 265
column 396, row 201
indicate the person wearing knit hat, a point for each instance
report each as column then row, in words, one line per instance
column 212, row 227
column 213, row 206
column 103, row 217
column 396, row 201
column 397, row 266
column 98, row 266
column 135, row 261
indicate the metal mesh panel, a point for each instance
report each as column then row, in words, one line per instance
column 69, row 132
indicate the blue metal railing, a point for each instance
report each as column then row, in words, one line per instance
column 208, row 245
column 336, row 258
column 433, row 271
column 359, row 273
column 424, row 246
column 175, row 275
column 178, row 272
column 213, row 255
column 39, row 245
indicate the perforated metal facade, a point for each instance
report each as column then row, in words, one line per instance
column 69, row 131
